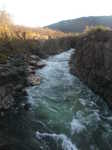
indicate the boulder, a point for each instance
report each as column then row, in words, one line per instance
column 41, row 65
column 34, row 80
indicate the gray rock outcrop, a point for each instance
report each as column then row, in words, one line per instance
column 92, row 62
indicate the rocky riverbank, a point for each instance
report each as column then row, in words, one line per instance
column 15, row 76
column 92, row 61
column 20, row 51
column 12, row 81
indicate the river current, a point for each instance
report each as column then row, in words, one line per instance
column 65, row 114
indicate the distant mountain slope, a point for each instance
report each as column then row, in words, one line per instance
column 78, row 25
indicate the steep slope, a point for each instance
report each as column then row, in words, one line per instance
column 92, row 61
column 78, row 25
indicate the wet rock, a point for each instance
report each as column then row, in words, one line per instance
column 36, row 65
column 41, row 65
column 33, row 63
column 35, row 57
column 34, row 80
column 31, row 70
column 32, row 60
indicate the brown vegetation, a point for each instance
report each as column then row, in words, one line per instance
column 19, row 39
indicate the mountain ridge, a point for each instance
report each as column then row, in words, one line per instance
column 79, row 24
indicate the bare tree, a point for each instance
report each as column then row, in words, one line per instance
column 5, row 18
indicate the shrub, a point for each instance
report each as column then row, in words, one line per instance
column 98, row 28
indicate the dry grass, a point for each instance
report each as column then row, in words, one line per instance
column 19, row 39
column 92, row 29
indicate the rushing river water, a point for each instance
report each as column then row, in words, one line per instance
column 65, row 114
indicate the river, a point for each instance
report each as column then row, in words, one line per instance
column 65, row 114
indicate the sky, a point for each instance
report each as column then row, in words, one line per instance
column 37, row 13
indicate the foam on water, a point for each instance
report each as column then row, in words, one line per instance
column 76, row 126
column 64, row 105
column 66, row 142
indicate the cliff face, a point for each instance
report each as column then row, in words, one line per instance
column 92, row 61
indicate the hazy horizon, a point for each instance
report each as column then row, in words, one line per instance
column 38, row 13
